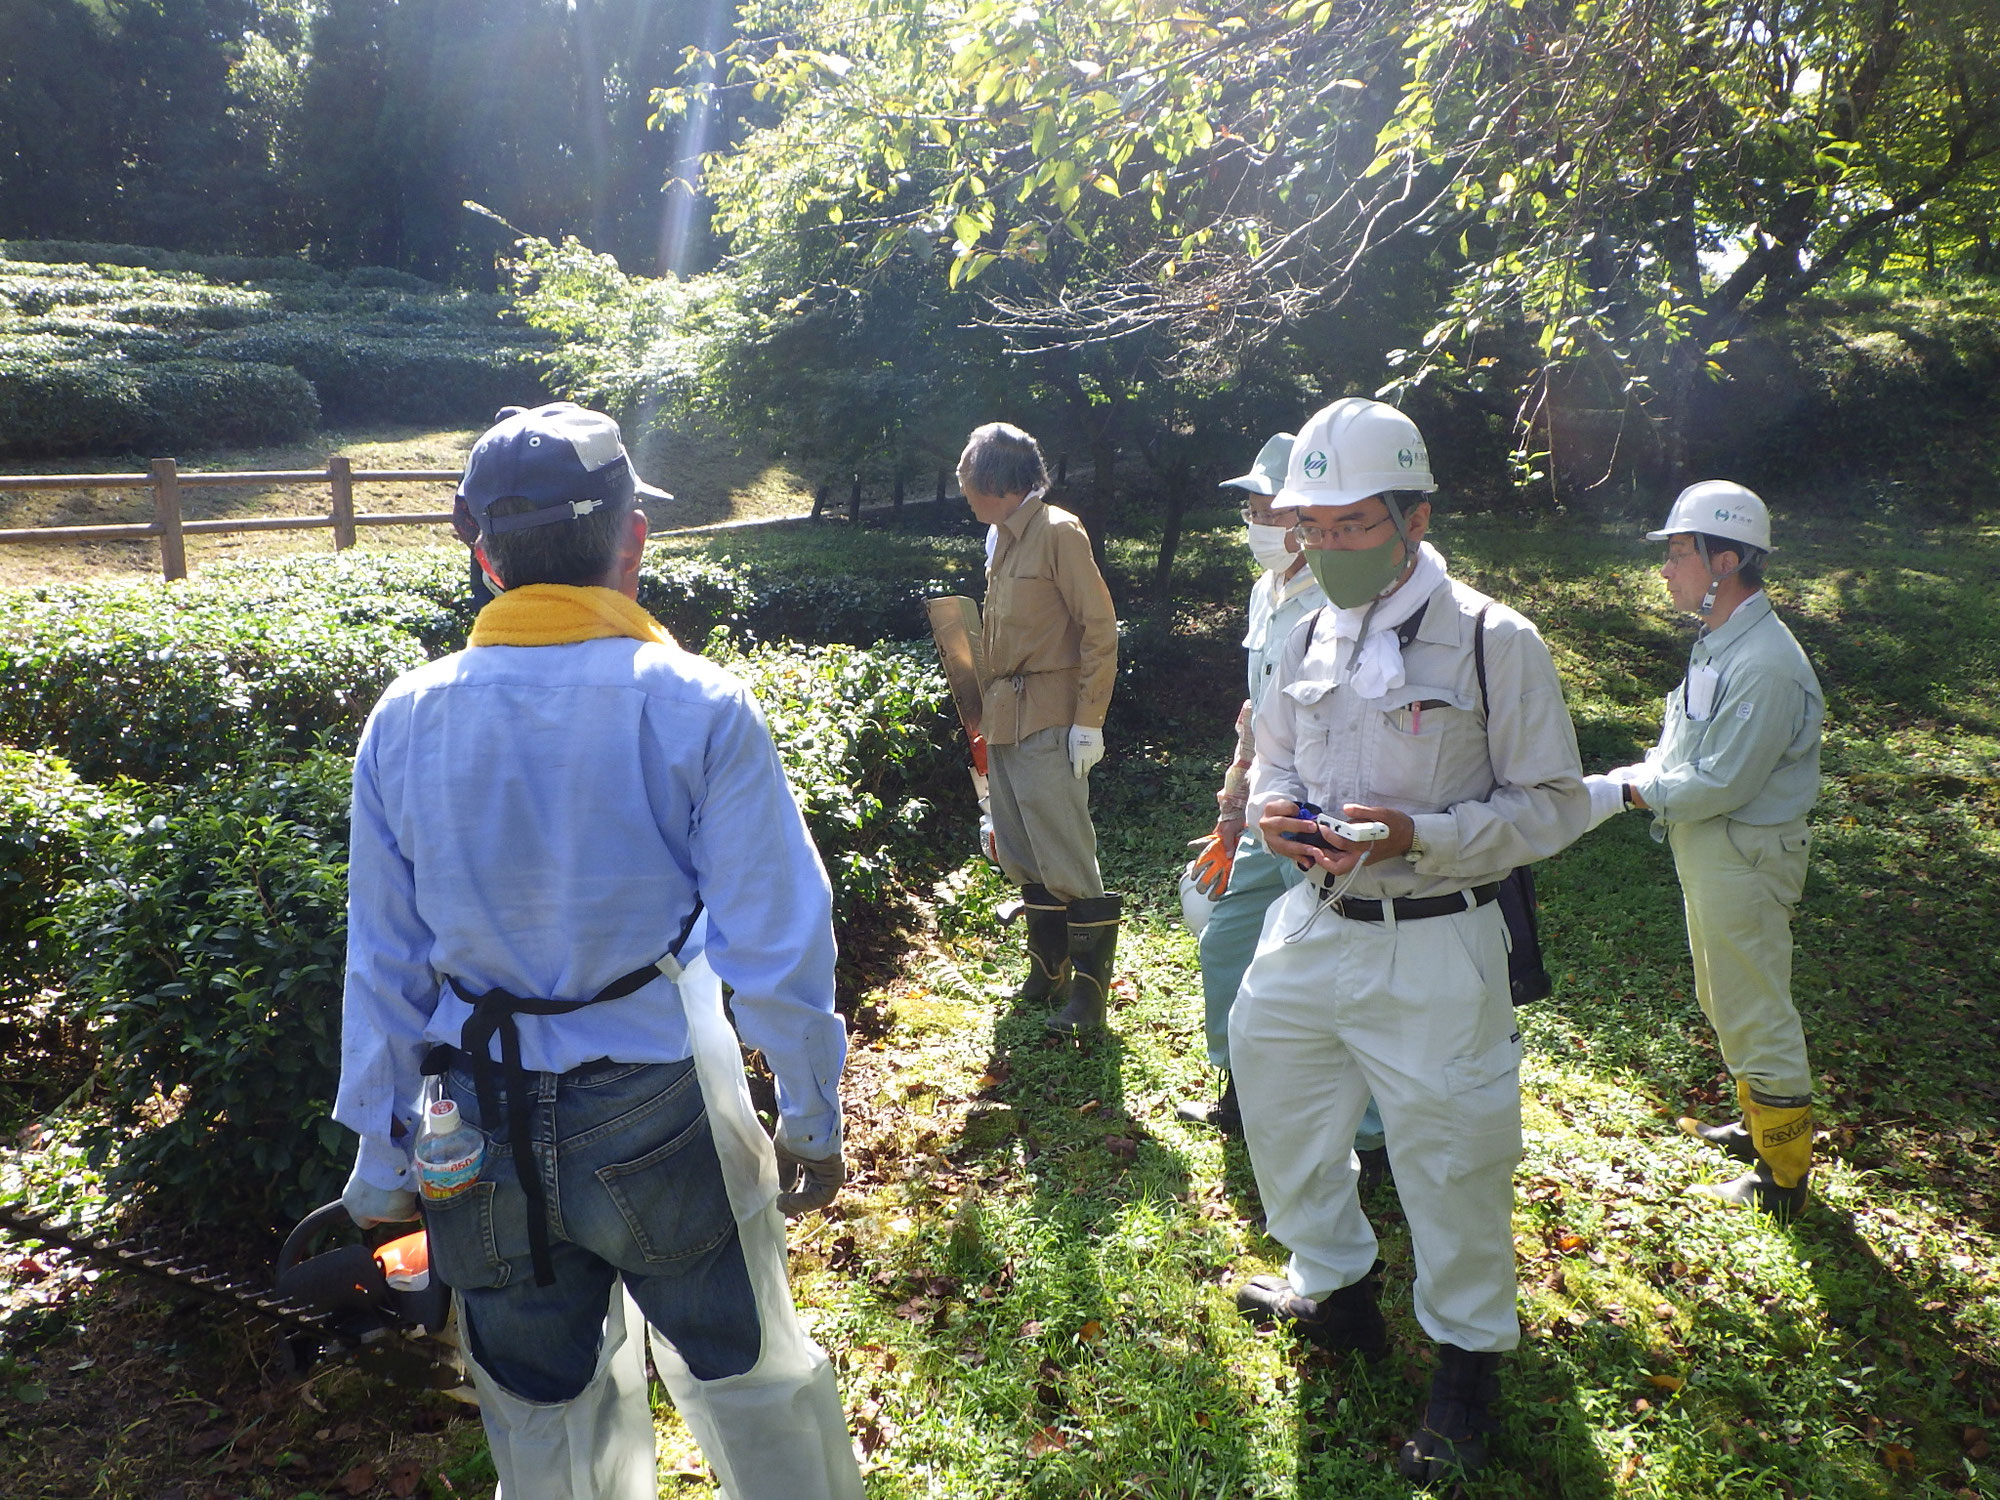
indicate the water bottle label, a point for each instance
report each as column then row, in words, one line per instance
column 447, row 1179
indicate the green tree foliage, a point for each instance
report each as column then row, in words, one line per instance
column 1610, row 192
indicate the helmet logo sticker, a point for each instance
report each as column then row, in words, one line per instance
column 1406, row 458
column 1315, row 465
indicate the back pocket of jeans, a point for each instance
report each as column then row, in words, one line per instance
column 673, row 1200
column 464, row 1250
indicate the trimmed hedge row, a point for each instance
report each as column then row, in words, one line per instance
column 142, row 349
column 100, row 403
column 204, row 922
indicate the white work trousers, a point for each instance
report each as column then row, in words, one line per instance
column 1740, row 883
column 1419, row 1013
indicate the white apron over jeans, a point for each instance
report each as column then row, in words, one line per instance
column 775, row 1432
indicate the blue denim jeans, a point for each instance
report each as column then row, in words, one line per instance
column 634, row 1190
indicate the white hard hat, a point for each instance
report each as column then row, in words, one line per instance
column 1196, row 905
column 1718, row 507
column 1267, row 474
column 1351, row 450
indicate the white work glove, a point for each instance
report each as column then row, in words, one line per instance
column 1086, row 749
column 368, row 1205
column 806, row 1182
column 1607, row 794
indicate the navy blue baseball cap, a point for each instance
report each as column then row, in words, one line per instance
column 564, row 459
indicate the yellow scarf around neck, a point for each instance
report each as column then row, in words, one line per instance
column 561, row 614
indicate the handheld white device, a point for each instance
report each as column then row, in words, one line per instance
column 1354, row 833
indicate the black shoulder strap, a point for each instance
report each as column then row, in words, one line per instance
column 1405, row 632
column 1479, row 652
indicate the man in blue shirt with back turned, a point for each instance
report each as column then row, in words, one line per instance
column 562, row 835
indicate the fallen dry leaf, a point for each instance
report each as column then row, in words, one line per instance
column 406, row 1476
column 358, row 1480
column 1666, row 1382
column 1900, row 1460
column 1091, row 1332
column 1048, row 1440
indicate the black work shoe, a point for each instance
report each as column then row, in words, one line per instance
column 1374, row 1166
column 1451, row 1444
column 1346, row 1321
column 1224, row 1114
column 1757, row 1189
column 1732, row 1138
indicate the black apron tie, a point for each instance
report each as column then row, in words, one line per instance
column 504, row 1085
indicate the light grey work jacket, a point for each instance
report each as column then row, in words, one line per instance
column 1753, row 754
column 1488, row 790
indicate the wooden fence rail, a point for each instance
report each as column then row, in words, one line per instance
column 166, row 481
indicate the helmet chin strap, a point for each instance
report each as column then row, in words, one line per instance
column 1715, row 579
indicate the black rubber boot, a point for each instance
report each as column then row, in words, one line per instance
column 1731, row 1138
column 1093, row 943
column 1048, row 945
column 1758, row 1189
column 1348, row 1321
column 1224, row 1114
column 1457, row 1418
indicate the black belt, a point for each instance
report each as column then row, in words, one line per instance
column 1411, row 908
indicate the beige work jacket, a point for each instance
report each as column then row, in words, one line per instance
column 1048, row 632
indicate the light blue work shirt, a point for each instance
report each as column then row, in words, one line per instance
column 1276, row 606
column 1754, row 755
column 539, row 819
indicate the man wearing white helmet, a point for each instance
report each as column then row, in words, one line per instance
column 1415, row 703
column 1232, row 870
column 1729, row 786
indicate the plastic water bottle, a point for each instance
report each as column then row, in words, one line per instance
column 448, row 1153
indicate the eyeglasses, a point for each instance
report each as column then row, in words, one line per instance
column 1681, row 555
column 1342, row 531
column 1285, row 518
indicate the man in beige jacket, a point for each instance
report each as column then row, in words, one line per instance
column 1049, row 645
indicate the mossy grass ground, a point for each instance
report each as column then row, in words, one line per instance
column 1027, row 1285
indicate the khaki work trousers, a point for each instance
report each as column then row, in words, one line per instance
column 1740, row 883
column 1041, row 815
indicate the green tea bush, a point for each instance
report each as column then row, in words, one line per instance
column 224, row 268
column 206, row 924
column 413, row 373
column 869, row 744
column 209, row 942
column 165, row 684
column 46, row 810
column 236, row 356
column 104, row 403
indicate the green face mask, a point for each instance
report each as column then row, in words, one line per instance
column 1352, row 578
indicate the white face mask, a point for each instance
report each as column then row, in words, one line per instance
column 1267, row 545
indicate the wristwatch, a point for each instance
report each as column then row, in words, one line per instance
column 1416, row 851
column 1625, row 792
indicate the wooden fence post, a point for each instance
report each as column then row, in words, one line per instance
column 340, row 474
column 896, row 496
column 944, row 478
column 854, row 501
column 820, row 496
column 1062, row 469
column 167, row 516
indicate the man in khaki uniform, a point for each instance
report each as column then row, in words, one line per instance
column 1729, row 786
column 1049, row 648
